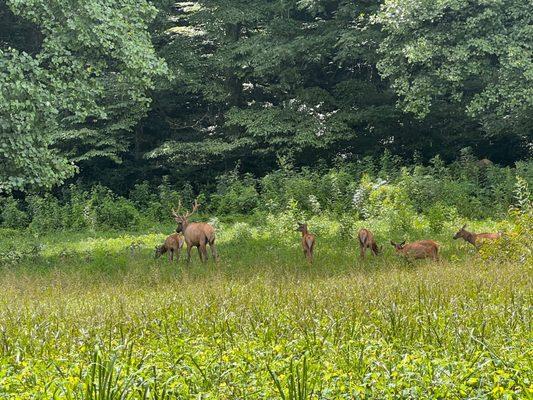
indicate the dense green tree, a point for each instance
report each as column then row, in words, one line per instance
column 255, row 80
column 474, row 53
column 249, row 83
column 74, row 77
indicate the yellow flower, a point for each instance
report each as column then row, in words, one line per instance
column 472, row 381
column 498, row 391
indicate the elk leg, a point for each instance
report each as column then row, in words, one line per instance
column 203, row 248
column 213, row 250
column 170, row 255
column 362, row 250
column 189, row 248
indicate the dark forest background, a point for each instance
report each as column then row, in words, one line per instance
column 195, row 96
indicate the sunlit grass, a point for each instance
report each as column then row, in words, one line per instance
column 92, row 318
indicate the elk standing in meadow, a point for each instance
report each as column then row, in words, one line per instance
column 367, row 241
column 308, row 241
column 197, row 234
column 475, row 238
column 172, row 245
column 418, row 250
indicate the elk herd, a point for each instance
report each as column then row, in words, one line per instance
column 201, row 234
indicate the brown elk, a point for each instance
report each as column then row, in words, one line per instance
column 367, row 241
column 475, row 238
column 172, row 245
column 197, row 234
column 308, row 241
column 419, row 249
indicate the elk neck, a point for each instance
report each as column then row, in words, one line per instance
column 470, row 237
column 184, row 225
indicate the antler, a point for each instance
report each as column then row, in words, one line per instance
column 194, row 207
column 178, row 217
column 175, row 213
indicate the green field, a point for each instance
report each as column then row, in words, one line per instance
column 95, row 316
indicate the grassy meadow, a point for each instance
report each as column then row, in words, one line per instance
column 95, row 316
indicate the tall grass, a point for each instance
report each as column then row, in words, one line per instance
column 98, row 318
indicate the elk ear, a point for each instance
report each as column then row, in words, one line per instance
column 464, row 226
column 402, row 243
column 394, row 244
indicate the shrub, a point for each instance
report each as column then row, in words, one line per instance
column 11, row 216
column 235, row 195
column 515, row 245
column 117, row 213
column 79, row 213
column 439, row 214
column 142, row 195
column 46, row 212
column 169, row 198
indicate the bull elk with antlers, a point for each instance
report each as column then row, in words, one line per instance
column 197, row 234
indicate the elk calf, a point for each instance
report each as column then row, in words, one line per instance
column 418, row 250
column 172, row 246
column 474, row 238
column 367, row 241
column 197, row 234
column 308, row 241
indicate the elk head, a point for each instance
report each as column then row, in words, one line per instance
column 398, row 246
column 183, row 219
column 159, row 250
column 301, row 227
column 461, row 233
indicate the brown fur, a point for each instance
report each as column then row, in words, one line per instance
column 197, row 234
column 172, row 245
column 367, row 241
column 418, row 250
column 475, row 238
column 308, row 241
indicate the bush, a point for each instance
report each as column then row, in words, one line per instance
column 515, row 245
column 235, row 195
column 117, row 213
column 439, row 214
column 46, row 213
column 11, row 216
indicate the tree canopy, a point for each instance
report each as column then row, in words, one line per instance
column 74, row 79
column 191, row 89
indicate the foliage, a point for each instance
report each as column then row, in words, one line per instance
column 433, row 196
column 476, row 53
column 80, row 91
column 11, row 215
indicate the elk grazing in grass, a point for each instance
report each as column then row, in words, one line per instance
column 367, row 241
column 172, row 246
column 197, row 234
column 475, row 239
column 308, row 241
column 418, row 250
